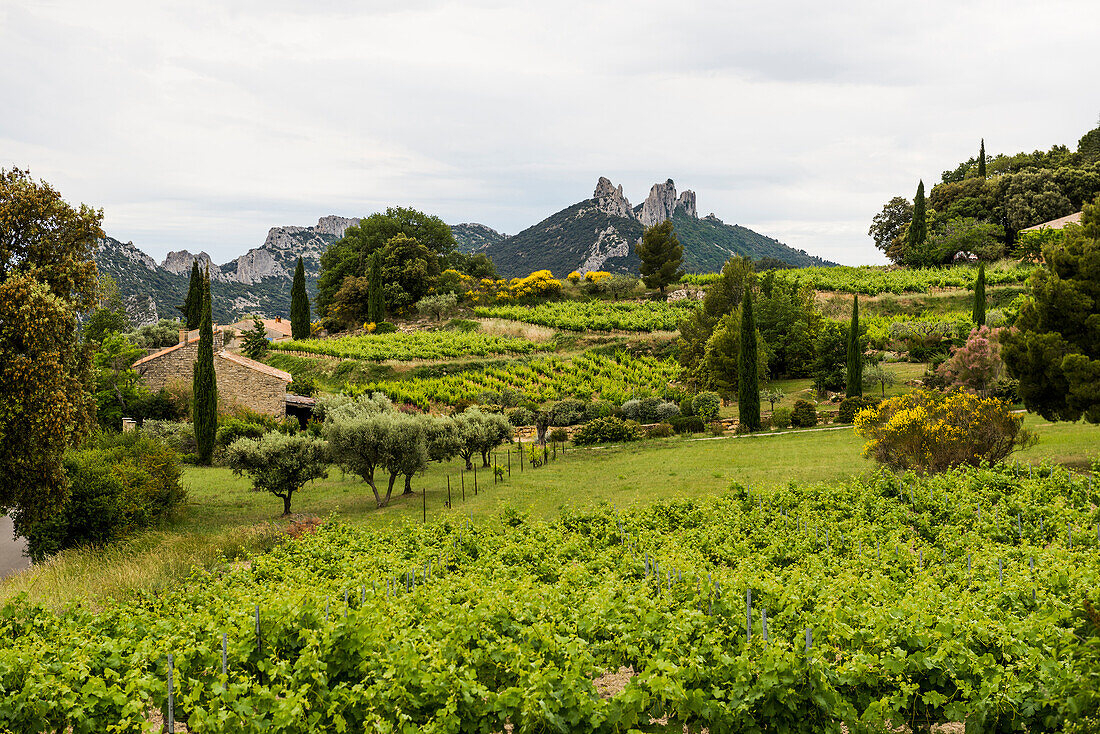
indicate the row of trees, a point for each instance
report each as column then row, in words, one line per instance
column 981, row 206
column 367, row 437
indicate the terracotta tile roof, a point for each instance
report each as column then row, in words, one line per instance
column 258, row 366
column 274, row 328
column 161, row 353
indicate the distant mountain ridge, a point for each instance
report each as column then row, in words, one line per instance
column 599, row 234
column 594, row 234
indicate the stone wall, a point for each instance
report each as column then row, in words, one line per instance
column 238, row 386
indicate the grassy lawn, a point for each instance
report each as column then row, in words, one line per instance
column 224, row 520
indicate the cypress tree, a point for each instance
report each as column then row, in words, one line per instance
column 979, row 297
column 376, row 306
column 918, row 228
column 748, row 383
column 192, row 304
column 299, row 304
column 981, row 160
column 854, row 384
column 205, row 388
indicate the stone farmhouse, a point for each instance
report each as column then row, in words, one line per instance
column 242, row 382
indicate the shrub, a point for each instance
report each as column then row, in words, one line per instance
column 488, row 397
column 521, row 417
column 667, row 411
column 685, row 407
column 717, row 428
column 437, row 306
column 604, row 430
column 850, row 407
column 304, row 386
column 121, row 482
column 688, row 424
column 599, row 409
column 179, row 436
column 660, row 430
column 568, row 412
column 632, row 409
column 559, row 435
column 1006, row 389
column 647, row 409
column 384, row 327
column 976, row 364
column 705, row 405
column 804, row 414
column 929, row 432
column 230, row 429
column 781, row 417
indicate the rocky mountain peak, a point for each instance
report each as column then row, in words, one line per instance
column 180, row 261
column 611, row 200
column 335, row 226
column 687, row 203
column 662, row 202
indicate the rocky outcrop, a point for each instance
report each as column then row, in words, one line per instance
column 109, row 248
column 473, row 237
column 180, row 261
column 662, row 203
column 334, row 225
column 610, row 199
column 609, row 243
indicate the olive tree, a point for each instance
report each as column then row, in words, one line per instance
column 278, row 463
column 358, row 444
column 480, row 433
column 405, row 449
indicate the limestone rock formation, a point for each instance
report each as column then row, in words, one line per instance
column 179, row 263
column 662, row 203
column 611, row 200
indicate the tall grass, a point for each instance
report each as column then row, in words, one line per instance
column 151, row 562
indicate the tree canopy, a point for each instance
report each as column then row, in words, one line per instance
column 47, row 276
column 661, row 254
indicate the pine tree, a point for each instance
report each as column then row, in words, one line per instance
column 918, row 228
column 205, row 388
column 299, row 304
column 854, row 384
column 376, row 305
column 661, row 254
column 981, row 160
column 979, row 297
column 748, row 384
column 255, row 343
column 192, row 305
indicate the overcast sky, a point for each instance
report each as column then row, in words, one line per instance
column 199, row 125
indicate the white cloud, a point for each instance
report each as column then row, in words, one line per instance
column 202, row 125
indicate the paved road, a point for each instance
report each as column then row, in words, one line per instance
column 11, row 550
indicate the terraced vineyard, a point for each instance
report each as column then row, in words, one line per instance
column 879, row 603
column 595, row 315
column 587, row 376
column 415, row 345
column 873, row 280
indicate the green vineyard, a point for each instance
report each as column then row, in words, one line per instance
column 587, row 376
column 875, row 603
column 416, row 345
column 595, row 315
column 873, row 280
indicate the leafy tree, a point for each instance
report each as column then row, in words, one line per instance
column 976, row 364
column 376, row 304
column 620, row 285
column 888, row 228
column 299, row 304
column 721, row 368
column 772, row 395
column 788, row 320
column 117, row 385
column 110, row 316
column 853, row 387
column 917, row 232
column 350, row 307
column 722, row 297
column 164, row 333
column 278, row 463
column 1089, row 144
column 979, row 297
column 205, row 388
column 408, row 271
column 748, row 370
column 480, row 433
column 930, row 432
column 706, row 405
column 1054, row 351
column 1030, row 198
column 967, row 235
column 358, row 445
column 351, row 255
column 981, row 159
column 405, row 449
column 255, row 344
column 830, row 357
column 438, row 305
column 47, row 276
column 191, row 309
column 877, row 374
column 661, row 255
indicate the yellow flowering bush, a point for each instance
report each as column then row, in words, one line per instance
column 931, row 432
column 597, row 276
column 573, row 277
column 539, row 284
